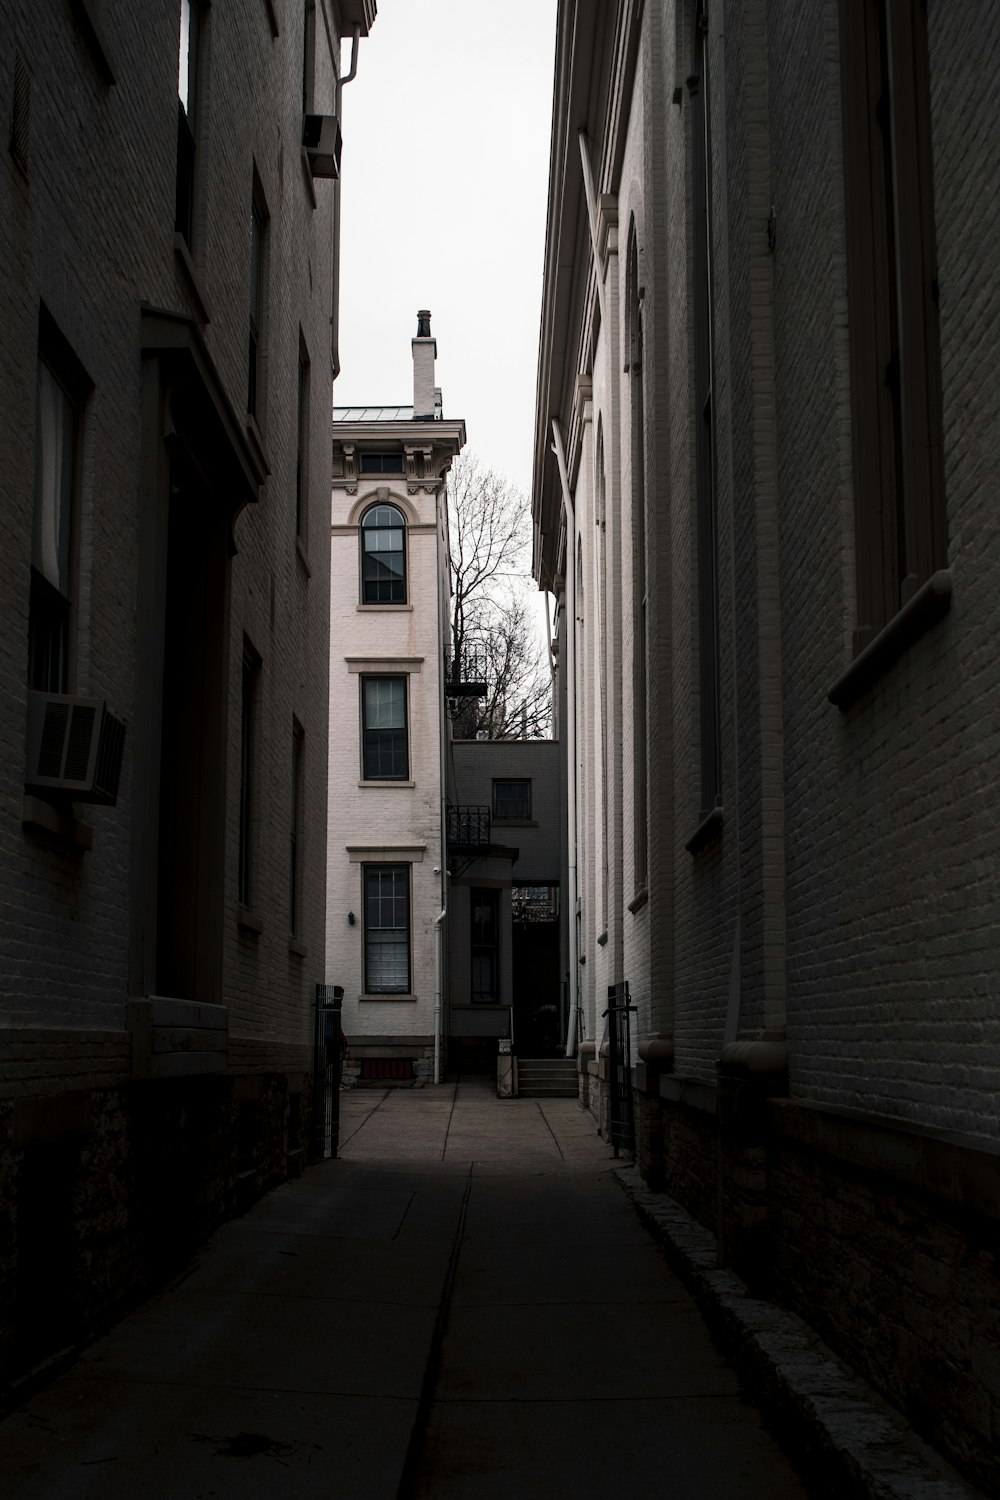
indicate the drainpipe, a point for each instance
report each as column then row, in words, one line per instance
column 335, row 340
column 570, row 559
column 441, row 516
column 439, row 980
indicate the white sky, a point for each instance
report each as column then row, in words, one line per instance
column 444, row 183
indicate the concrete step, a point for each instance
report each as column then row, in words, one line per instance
column 547, row 1078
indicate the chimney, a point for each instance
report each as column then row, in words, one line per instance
column 424, row 355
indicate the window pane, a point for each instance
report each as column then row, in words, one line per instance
column 511, row 799
column 53, row 480
column 384, row 703
column 387, row 929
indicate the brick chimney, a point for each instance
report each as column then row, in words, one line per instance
column 424, row 355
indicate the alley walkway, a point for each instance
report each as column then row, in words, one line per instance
column 464, row 1305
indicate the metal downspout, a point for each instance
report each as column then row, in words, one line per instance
column 570, row 573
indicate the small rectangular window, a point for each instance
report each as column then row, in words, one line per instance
column 511, row 801
column 384, row 732
column 485, row 942
column 302, row 445
column 382, row 463
column 387, row 929
column 248, row 773
column 256, row 304
column 188, row 85
column 296, row 827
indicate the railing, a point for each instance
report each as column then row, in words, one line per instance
column 465, row 673
column 468, row 825
column 621, row 1117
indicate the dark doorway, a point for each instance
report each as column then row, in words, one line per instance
column 192, row 749
column 535, row 962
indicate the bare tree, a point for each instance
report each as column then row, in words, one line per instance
column 490, row 526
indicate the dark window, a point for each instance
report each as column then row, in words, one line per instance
column 308, row 55
column 302, row 445
column 383, row 714
column 704, row 415
column 639, row 586
column 57, row 425
column 485, row 936
column 382, row 463
column 511, row 799
column 248, row 773
column 188, row 84
column 387, row 929
column 383, row 556
column 892, row 306
column 256, row 304
column 296, row 824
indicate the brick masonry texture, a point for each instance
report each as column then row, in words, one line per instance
column 87, row 234
column 835, row 938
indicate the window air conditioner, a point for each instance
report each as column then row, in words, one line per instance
column 322, row 139
column 75, row 745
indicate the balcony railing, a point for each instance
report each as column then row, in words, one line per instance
column 465, row 673
column 468, row 825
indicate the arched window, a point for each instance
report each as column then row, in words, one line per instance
column 383, row 556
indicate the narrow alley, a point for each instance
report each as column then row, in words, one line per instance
column 464, row 1304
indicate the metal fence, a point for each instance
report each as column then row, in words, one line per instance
column 327, row 1069
column 621, row 1112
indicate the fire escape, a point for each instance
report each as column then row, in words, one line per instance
column 469, row 831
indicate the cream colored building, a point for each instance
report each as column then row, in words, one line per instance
column 387, row 859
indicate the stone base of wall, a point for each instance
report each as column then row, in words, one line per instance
column 391, row 1062
column 105, row 1192
column 883, row 1236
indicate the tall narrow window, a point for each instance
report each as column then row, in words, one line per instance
column 892, row 304
column 188, row 83
column 256, row 304
column 704, row 415
column 55, row 479
column 385, row 754
column 639, row 582
column 248, row 774
column 308, row 55
column 387, row 929
column 296, row 828
column 383, row 556
column 485, row 944
column 302, row 445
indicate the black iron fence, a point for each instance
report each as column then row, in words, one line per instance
column 621, row 1111
column 327, row 1070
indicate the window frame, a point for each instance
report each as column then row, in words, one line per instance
column 488, row 950
column 368, row 747
column 900, row 521
column 249, row 748
column 404, row 580
column 258, row 303
column 188, row 121
column 640, row 790
column 47, row 602
column 296, row 830
column 511, row 781
column 381, row 870
column 302, row 443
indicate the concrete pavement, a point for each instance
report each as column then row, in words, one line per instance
column 464, row 1304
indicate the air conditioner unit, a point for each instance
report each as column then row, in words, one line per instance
column 322, row 139
column 75, row 745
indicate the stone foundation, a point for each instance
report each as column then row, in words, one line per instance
column 106, row 1192
column 882, row 1235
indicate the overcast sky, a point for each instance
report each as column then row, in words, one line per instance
column 444, row 181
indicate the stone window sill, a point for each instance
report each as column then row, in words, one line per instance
column 58, row 823
column 249, row 920
column 257, row 442
column 298, row 947
column 639, row 900
column 303, row 557
column 924, row 609
column 602, row 941
column 385, row 785
column 708, row 829
column 365, row 609
column 389, row 999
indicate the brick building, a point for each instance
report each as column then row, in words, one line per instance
column 387, row 859
column 767, row 414
column 168, row 275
